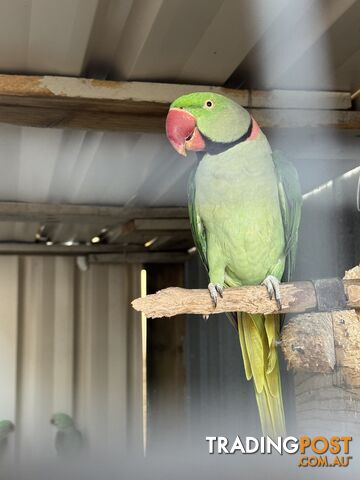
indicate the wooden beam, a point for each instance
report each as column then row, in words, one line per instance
column 21, row 248
column 141, row 257
column 155, row 123
column 298, row 99
column 148, row 228
column 134, row 106
column 133, row 97
column 74, row 250
column 49, row 213
column 296, row 297
column 154, row 225
column 292, row 118
column 168, row 224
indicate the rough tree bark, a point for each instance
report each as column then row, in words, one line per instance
column 295, row 297
column 327, row 403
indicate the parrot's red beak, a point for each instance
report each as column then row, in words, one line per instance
column 182, row 131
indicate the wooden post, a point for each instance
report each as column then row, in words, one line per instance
column 165, row 363
column 324, row 351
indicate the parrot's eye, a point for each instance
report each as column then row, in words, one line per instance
column 209, row 104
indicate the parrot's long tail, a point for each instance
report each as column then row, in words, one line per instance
column 258, row 335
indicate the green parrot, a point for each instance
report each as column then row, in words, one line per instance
column 244, row 208
column 6, row 427
column 68, row 440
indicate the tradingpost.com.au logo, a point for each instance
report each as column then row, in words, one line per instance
column 314, row 451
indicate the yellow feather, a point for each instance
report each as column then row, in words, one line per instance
column 255, row 351
column 247, row 366
column 271, row 322
column 257, row 334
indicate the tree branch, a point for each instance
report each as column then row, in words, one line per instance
column 296, row 297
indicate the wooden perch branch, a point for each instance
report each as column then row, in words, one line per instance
column 317, row 342
column 296, row 297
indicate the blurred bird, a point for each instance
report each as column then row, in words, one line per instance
column 6, row 427
column 68, row 440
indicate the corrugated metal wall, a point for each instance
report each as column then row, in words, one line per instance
column 70, row 341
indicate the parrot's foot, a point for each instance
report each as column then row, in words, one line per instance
column 206, row 317
column 214, row 290
column 272, row 285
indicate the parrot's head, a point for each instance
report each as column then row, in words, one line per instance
column 198, row 119
column 6, row 427
column 62, row 421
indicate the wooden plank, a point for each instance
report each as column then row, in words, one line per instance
column 302, row 99
column 49, row 213
column 81, row 119
column 135, row 106
column 142, row 238
column 60, row 249
column 283, row 118
column 110, row 253
column 155, row 123
column 95, row 95
column 147, row 229
column 141, row 257
column 175, row 241
column 134, row 97
column 155, row 224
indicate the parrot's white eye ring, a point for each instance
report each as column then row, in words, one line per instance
column 209, row 104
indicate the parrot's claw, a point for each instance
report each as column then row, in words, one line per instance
column 206, row 317
column 214, row 290
column 272, row 285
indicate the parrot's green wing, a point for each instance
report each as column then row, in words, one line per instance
column 199, row 233
column 290, row 204
column 197, row 226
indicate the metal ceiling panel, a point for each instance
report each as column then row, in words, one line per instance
column 314, row 44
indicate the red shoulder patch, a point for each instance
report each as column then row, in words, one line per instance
column 255, row 130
